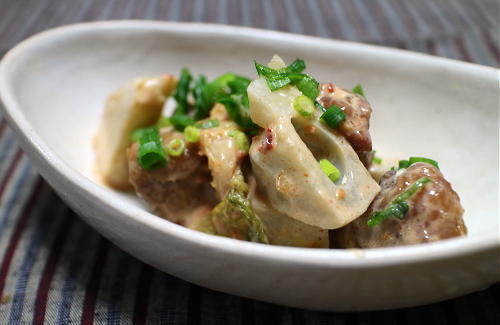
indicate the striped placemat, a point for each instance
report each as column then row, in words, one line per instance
column 54, row 269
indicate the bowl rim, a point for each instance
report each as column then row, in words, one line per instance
column 337, row 258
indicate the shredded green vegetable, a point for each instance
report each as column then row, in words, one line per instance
column 235, row 214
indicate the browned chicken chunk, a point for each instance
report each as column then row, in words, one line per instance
column 357, row 110
column 434, row 212
column 180, row 191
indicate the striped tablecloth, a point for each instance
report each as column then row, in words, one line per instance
column 55, row 269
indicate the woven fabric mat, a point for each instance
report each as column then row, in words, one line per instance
column 54, row 269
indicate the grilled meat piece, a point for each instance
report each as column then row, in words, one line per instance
column 434, row 212
column 357, row 110
column 179, row 191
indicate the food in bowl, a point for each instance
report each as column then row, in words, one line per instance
column 278, row 160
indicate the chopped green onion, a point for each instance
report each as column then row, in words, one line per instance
column 303, row 105
column 278, row 82
column 137, row 133
column 150, row 154
column 263, row 70
column 425, row 160
column 231, row 91
column 412, row 189
column 377, row 160
column 412, row 160
column 279, row 78
column 192, row 134
column 238, row 111
column 296, row 66
column 333, row 116
column 404, row 164
column 358, row 90
column 181, row 121
column 398, row 207
column 329, row 169
column 218, row 87
column 241, row 138
column 182, row 91
column 239, row 85
column 176, row 147
column 163, row 122
column 208, row 124
column 319, row 106
column 306, row 84
column 201, row 105
column 397, row 210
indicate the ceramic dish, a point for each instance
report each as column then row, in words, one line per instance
column 54, row 84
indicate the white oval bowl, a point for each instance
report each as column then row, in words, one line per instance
column 53, row 86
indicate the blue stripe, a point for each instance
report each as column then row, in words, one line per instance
column 169, row 298
column 269, row 16
column 398, row 27
column 27, row 24
column 222, row 14
column 417, row 45
column 245, row 13
column 198, row 8
column 293, row 20
column 150, row 10
column 41, row 231
column 105, row 12
column 459, row 9
column 15, row 195
column 7, row 157
column 490, row 11
column 347, row 30
column 419, row 20
column 319, row 21
column 451, row 50
column 8, row 148
column 83, row 10
column 76, row 265
column 174, row 10
column 482, row 54
column 370, row 20
column 129, row 10
column 449, row 28
column 8, row 14
column 117, row 290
